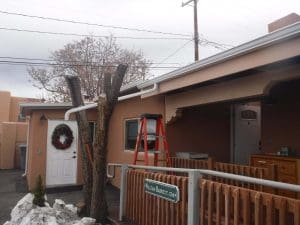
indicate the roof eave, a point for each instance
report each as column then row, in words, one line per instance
column 28, row 107
column 256, row 44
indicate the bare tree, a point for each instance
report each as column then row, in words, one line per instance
column 89, row 59
column 106, row 104
column 95, row 171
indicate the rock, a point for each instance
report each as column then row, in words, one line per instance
column 26, row 213
column 86, row 221
column 71, row 208
column 40, row 215
column 59, row 204
column 21, row 209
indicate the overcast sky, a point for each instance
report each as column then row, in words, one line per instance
column 230, row 22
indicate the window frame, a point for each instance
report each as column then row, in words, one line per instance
column 125, row 133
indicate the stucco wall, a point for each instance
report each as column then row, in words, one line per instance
column 14, row 107
column 203, row 129
column 132, row 108
column 8, row 140
column 37, row 144
column 9, row 110
column 281, row 127
column 280, row 118
column 12, row 134
column 5, row 106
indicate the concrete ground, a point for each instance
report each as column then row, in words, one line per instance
column 9, row 196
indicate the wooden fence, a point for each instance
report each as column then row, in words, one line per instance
column 146, row 209
column 226, row 204
column 219, row 204
column 191, row 163
column 251, row 171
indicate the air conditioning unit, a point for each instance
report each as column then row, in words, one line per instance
column 191, row 155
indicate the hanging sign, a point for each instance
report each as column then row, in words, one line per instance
column 163, row 190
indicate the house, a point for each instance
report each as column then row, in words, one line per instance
column 231, row 105
column 13, row 130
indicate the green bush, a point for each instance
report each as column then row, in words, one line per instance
column 39, row 192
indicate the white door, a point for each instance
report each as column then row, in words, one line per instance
column 246, row 131
column 61, row 164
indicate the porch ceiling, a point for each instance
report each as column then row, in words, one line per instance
column 252, row 83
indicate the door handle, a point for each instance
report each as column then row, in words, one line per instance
column 74, row 157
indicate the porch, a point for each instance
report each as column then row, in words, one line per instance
column 249, row 121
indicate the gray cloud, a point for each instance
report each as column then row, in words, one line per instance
column 231, row 22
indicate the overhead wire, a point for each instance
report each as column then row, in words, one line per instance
column 175, row 52
column 66, row 61
column 92, row 24
column 91, row 35
column 26, row 63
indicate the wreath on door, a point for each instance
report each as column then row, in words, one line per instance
column 62, row 137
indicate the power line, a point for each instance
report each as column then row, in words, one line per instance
column 92, row 24
column 175, row 52
column 87, row 35
column 65, row 61
column 204, row 42
column 10, row 62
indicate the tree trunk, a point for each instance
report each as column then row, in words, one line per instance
column 99, row 209
column 85, row 140
column 106, row 106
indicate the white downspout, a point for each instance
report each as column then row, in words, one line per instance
column 93, row 105
column 27, row 150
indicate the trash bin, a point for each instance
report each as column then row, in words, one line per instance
column 22, row 150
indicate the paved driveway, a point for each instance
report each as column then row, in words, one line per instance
column 9, row 196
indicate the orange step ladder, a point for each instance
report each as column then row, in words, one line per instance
column 143, row 137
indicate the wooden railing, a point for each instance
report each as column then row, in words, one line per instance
column 257, row 172
column 191, row 163
column 227, row 204
column 249, row 171
column 220, row 204
column 146, row 209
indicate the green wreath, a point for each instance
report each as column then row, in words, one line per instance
column 62, row 130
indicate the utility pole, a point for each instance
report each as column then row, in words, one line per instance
column 196, row 35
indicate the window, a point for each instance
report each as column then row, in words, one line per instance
column 131, row 132
column 248, row 115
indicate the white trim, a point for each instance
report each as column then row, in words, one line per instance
column 121, row 98
column 27, row 149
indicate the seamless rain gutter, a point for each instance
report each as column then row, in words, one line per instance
column 93, row 105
